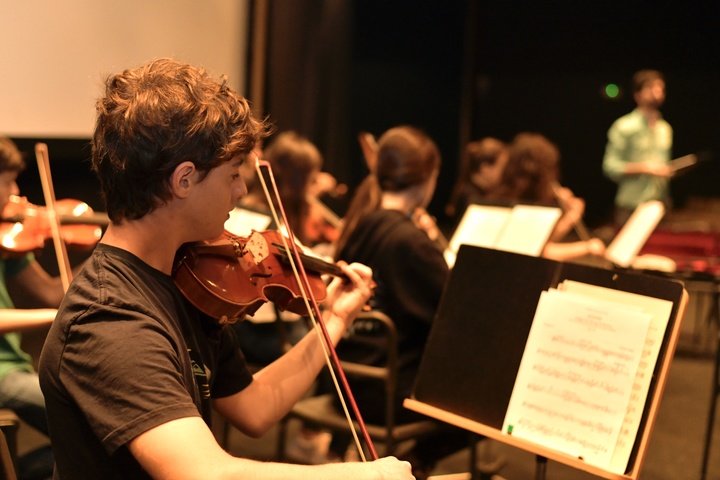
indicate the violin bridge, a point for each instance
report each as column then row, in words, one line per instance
column 257, row 247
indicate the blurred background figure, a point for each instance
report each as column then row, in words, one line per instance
column 480, row 174
column 23, row 279
column 297, row 169
column 532, row 176
column 410, row 273
column 296, row 165
column 639, row 147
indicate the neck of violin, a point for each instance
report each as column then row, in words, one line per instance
column 98, row 219
column 311, row 263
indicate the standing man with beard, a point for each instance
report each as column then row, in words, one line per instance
column 639, row 146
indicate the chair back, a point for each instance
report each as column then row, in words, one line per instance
column 374, row 339
column 7, row 468
column 375, row 333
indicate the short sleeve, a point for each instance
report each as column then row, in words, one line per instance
column 135, row 367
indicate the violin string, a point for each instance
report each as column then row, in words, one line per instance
column 311, row 312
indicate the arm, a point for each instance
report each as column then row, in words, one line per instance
column 34, row 286
column 277, row 387
column 14, row 320
column 615, row 159
column 185, row 448
column 573, row 209
column 568, row 251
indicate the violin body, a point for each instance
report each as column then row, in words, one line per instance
column 319, row 227
column 231, row 277
column 26, row 227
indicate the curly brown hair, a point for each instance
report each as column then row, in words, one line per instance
column 10, row 157
column 155, row 117
column 532, row 169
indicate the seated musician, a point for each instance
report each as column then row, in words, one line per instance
column 480, row 174
column 531, row 176
column 23, row 277
column 409, row 270
column 130, row 370
column 296, row 167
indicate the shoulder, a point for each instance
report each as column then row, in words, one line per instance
column 663, row 124
column 393, row 224
column 629, row 122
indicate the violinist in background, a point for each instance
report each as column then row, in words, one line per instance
column 297, row 168
column 22, row 275
column 409, row 270
column 296, row 165
column 130, row 370
column 480, row 174
column 420, row 216
column 531, row 176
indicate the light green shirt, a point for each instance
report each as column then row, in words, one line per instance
column 11, row 355
column 631, row 140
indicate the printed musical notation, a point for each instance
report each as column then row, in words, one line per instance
column 585, row 372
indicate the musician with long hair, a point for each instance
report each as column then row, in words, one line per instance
column 532, row 176
column 409, row 270
column 23, row 282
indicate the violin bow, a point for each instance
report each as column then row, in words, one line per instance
column 43, row 161
column 579, row 226
column 316, row 316
column 331, row 217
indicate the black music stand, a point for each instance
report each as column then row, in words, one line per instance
column 483, row 324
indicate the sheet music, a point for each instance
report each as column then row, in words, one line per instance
column 528, row 229
column 480, row 226
column 576, row 376
column 242, row 222
column 660, row 311
column 521, row 229
column 633, row 235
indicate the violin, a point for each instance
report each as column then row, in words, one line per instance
column 25, row 227
column 322, row 225
column 232, row 276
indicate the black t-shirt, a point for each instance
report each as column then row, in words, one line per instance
column 127, row 353
column 410, row 273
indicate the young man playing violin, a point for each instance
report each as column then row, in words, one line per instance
column 130, row 370
column 22, row 275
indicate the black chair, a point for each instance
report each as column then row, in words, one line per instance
column 9, row 423
column 319, row 411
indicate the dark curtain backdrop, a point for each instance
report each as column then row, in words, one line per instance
column 467, row 69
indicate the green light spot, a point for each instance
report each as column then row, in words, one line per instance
column 611, row 90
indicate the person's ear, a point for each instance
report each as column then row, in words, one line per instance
column 183, row 178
